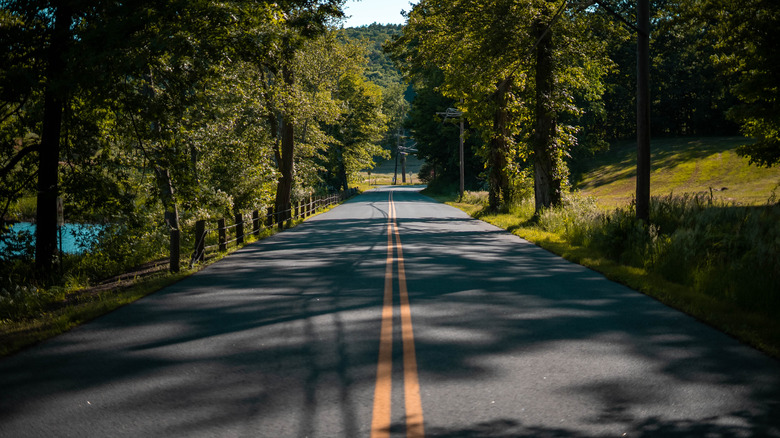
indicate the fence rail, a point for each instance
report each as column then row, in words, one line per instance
column 220, row 237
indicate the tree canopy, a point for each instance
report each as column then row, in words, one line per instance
column 142, row 114
column 545, row 82
column 148, row 115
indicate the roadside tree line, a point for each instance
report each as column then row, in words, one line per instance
column 142, row 110
column 541, row 82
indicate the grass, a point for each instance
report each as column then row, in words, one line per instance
column 16, row 335
column 382, row 174
column 56, row 310
column 688, row 165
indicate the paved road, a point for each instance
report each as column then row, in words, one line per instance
column 497, row 338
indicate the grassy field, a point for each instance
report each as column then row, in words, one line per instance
column 382, row 174
column 679, row 166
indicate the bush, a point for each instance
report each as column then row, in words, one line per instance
column 120, row 248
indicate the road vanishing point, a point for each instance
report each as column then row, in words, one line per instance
column 392, row 315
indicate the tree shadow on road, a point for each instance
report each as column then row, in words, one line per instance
column 283, row 333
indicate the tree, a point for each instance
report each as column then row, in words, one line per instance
column 70, row 31
column 435, row 138
column 20, row 72
column 380, row 70
column 54, row 97
column 519, row 67
column 361, row 127
column 746, row 42
column 148, row 61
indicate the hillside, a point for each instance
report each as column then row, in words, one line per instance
column 381, row 69
column 679, row 165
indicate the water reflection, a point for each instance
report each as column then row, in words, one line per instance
column 76, row 238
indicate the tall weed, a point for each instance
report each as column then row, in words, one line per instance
column 475, row 198
column 727, row 251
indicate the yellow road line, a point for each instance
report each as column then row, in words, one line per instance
column 381, row 420
column 414, row 413
column 380, row 423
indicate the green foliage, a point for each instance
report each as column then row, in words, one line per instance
column 23, row 302
column 745, row 52
column 486, row 54
column 118, row 249
column 381, row 69
column 177, row 108
column 474, row 198
column 361, row 127
column 437, row 139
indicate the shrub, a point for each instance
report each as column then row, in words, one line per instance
column 119, row 248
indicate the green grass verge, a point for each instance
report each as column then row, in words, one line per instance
column 760, row 330
column 16, row 335
column 80, row 307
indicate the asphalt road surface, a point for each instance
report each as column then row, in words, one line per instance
column 390, row 316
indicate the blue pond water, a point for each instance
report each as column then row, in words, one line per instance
column 76, row 238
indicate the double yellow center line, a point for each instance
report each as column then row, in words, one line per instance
column 381, row 420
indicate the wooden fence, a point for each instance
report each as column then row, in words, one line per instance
column 221, row 236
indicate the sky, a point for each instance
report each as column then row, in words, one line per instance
column 376, row 11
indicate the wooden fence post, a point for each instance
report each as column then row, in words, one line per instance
column 175, row 263
column 256, row 222
column 175, row 242
column 269, row 219
column 222, row 236
column 239, row 229
column 200, row 241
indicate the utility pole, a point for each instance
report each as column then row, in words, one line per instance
column 402, row 151
column 397, row 151
column 642, row 29
column 453, row 113
column 460, row 153
column 643, row 112
column 403, row 167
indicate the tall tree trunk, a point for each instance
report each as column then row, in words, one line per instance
column 547, row 178
column 643, row 112
column 284, row 186
column 344, row 181
column 165, row 185
column 49, row 154
column 499, row 190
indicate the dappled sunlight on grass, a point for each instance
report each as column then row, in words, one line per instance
column 680, row 166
